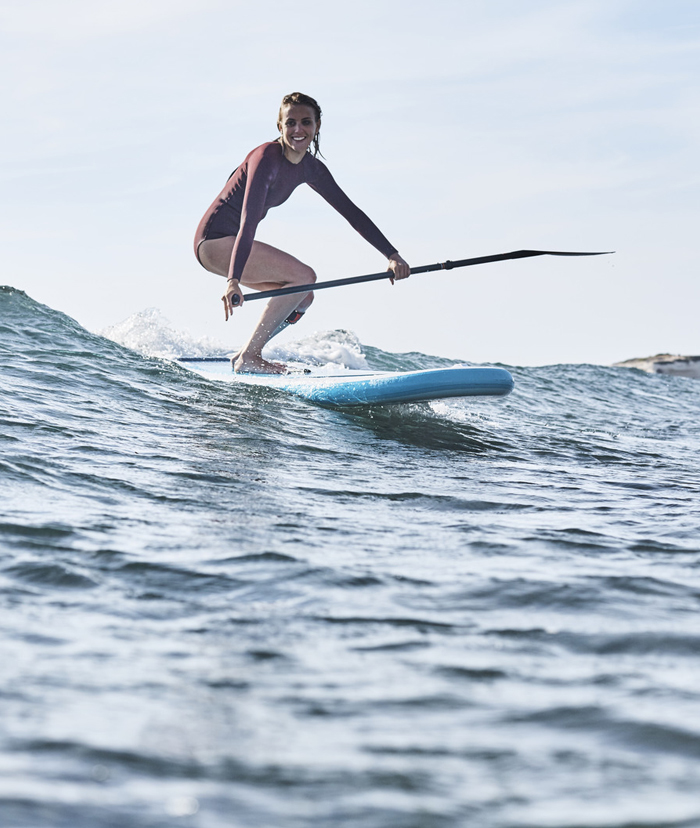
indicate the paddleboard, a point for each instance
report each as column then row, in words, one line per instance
column 347, row 387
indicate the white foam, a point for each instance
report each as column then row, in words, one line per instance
column 461, row 411
column 151, row 334
column 321, row 348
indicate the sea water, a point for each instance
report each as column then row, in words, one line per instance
column 224, row 607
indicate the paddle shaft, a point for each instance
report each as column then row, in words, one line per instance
column 387, row 274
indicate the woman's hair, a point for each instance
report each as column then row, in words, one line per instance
column 304, row 100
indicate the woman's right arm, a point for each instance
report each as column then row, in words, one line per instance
column 261, row 170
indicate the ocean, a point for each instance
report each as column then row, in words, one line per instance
column 224, row 607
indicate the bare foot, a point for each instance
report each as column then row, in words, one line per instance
column 258, row 365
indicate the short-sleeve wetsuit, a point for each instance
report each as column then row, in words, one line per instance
column 266, row 179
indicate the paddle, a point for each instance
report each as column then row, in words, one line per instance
column 387, row 274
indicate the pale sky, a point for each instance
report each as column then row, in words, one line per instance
column 462, row 128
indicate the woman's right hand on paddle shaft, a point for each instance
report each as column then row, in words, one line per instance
column 233, row 298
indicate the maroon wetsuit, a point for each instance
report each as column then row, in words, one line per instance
column 266, row 179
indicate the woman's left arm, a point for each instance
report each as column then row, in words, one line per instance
column 325, row 185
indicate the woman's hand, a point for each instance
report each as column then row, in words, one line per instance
column 233, row 298
column 399, row 267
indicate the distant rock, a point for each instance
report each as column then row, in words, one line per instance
column 679, row 366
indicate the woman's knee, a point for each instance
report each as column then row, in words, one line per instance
column 304, row 275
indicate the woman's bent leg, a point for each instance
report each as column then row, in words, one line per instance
column 267, row 268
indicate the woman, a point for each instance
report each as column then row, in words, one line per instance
column 225, row 243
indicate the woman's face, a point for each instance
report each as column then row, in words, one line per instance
column 298, row 127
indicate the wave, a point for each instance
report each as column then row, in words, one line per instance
column 215, row 563
column 62, row 376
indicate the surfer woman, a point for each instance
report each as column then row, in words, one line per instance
column 225, row 243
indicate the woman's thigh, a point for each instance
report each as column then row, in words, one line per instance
column 267, row 267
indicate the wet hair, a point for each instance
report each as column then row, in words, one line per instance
column 303, row 100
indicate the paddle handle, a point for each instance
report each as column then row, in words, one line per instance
column 387, row 274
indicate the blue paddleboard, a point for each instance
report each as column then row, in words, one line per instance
column 342, row 387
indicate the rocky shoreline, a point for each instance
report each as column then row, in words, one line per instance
column 678, row 366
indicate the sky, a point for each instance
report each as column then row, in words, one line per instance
column 461, row 127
